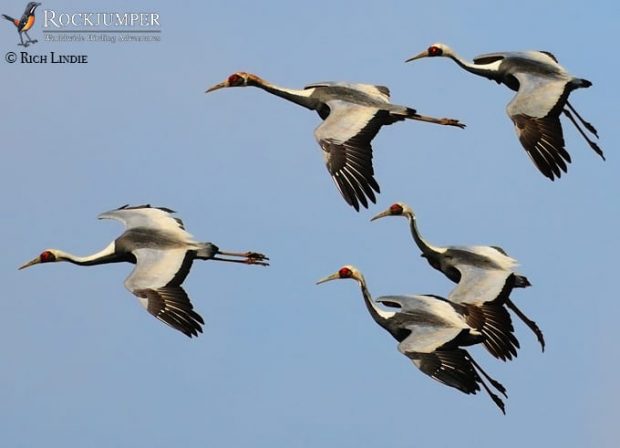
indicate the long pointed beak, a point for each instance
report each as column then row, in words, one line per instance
column 418, row 56
column 383, row 214
column 218, row 86
column 30, row 263
column 334, row 276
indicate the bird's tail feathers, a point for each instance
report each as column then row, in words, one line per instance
column 584, row 83
column 207, row 251
column 521, row 281
column 10, row 19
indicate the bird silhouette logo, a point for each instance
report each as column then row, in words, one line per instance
column 25, row 23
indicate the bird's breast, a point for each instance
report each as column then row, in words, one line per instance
column 29, row 23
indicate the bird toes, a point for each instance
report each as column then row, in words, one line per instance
column 256, row 256
column 453, row 122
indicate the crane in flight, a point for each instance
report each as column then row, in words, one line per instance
column 481, row 272
column 542, row 87
column 431, row 332
column 353, row 114
column 163, row 252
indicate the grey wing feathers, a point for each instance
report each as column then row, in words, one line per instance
column 535, row 111
column 551, row 55
column 427, row 337
column 483, row 293
column 478, row 285
column 370, row 89
column 137, row 207
column 157, row 218
column 156, row 281
column 488, row 58
column 345, row 138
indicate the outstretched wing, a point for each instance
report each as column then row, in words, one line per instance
column 155, row 218
column 479, row 285
column 535, row 111
column 345, row 138
column 450, row 367
column 426, row 337
column 494, row 322
column 378, row 92
column 156, row 281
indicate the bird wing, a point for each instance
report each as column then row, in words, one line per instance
column 535, row 111
column 551, row 55
column 426, row 308
column 155, row 218
column 156, row 281
column 345, row 138
column 494, row 322
column 379, row 92
column 450, row 367
column 488, row 58
column 480, row 285
column 490, row 256
column 426, row 337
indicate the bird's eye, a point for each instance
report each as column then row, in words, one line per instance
column 345, row 273
column 47, row 256
column 434, row 51
column 396, row 209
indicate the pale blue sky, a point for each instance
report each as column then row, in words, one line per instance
column 283, row 362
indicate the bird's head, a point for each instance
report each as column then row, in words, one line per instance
column 32, row 6
column 396, row 209
column 238, row 79
column 437, row 49
column 347, row 271
column 47, row 256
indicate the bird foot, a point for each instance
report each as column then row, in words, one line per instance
column 590, row 128
column 33, row 41
column 255, row 256
column 597, row 149
column 452, row 122
column 23, row 45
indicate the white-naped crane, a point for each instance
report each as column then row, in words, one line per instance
column 163, row 252
column 430, row 331
column 353, row 115
column 542, row 87
column 483, row 273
